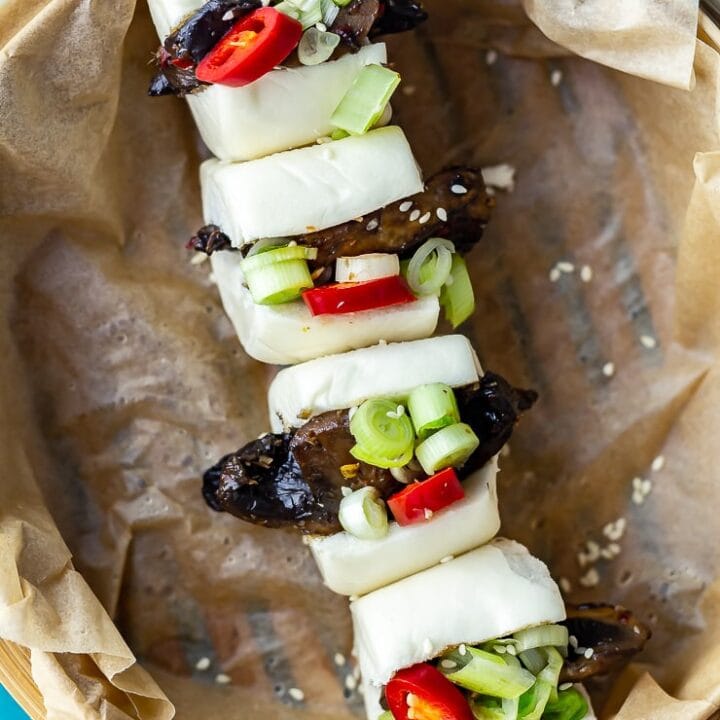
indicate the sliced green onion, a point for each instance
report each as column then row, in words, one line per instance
column 540, row 636
column 278, row 283
column 430, row 266
column 289, row 9
column 457, row 297
column 338, row 134
column 330, row 12
column 489, row 708
column 533, row 702
column 383, row 433
column 487, row 673
column 370, row 266
column 534, row 660
column 265, row 244
column 432, row 407
column 277, row 255
column 364, row 102
column 449, row 447
column 342, row 3
column 316, row 46
column 371, row 458
column 570, row 705
column 551, row 672
column 363, row 514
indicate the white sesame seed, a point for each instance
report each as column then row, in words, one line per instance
column 223, row 679
column 555, row 77
column 442, row 214
column 590, row 578
column 554, row 275
column 606, row 554
column 296, row 694
column 350, row 682
column 500, row 649
column 593, row 550
column 511, row 650
column 608, row 369
column 446, row 559
column 500, row 176
column 414, row 215
column 638, row 498
column 198, row 258
column 202, row 664
column 448, row 664
column 573, row 641
column 462, row 649
column 345, row 490
column 405, row 206
column 428, row 513
column 425, row 218
column 565, row 686
column 648, row 341
column 615, row 530
column 589, row 653
column 658, row 463
column 586, row 273
column 458, row 189
column 646, row 486
column 565, row 585
column 491, row 57
column 427, row 647
column 339, row 659
column 565, row 266
column 614, row 549
column 637, row 482
column 372, row 225
column 229, row 15
column 580, row 650
column 321, row 26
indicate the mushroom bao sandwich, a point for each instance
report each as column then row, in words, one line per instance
column 334, row 254
column 323, row 235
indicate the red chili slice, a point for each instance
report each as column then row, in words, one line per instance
column 428, row 692
column 356, row 297
column 437, row 492
column 252, row 47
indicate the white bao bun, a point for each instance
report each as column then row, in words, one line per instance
column 487, row 593
column 351, row 566
column 338, row 382
column 288, row 333
column 284, row 109
column 315, row 187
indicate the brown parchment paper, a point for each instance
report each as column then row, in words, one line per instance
column 120, row 377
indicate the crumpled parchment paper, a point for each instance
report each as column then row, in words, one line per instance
column 121, row 380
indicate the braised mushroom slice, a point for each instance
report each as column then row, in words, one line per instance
column 612, row 632
column 492, row 408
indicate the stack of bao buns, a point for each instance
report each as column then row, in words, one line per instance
column 280, row 173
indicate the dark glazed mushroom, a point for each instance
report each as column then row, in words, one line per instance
column 297, row 478
column 458, row 216
column 613, row 633
column 191, row 41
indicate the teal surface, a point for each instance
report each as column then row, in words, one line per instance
column 9, row 709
